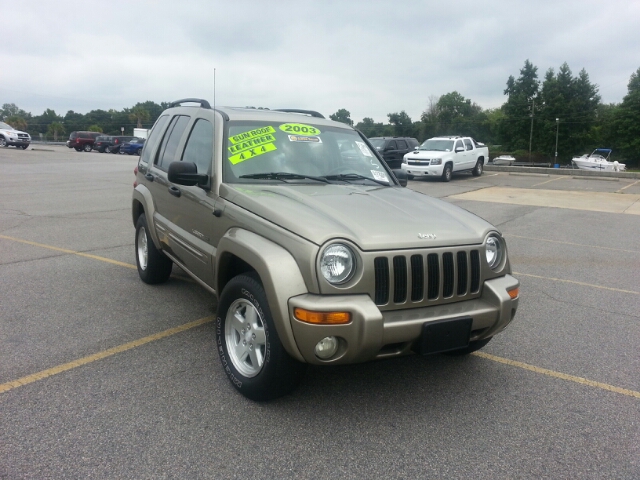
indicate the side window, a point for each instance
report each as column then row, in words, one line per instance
column 154, row 136
column 458, row 145
column 199, row 149
column 391, row 145
column 402, row 145
column 468, row 144
column 170, row 141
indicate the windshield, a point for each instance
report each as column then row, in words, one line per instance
column 5, row 126
column 377, row 142
column 434, row 145
column 296, row 152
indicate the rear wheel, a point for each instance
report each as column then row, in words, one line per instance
column 477, row 171
column 153, row 266
column 446, row 173
column 87, row 148
column 250, row 350
column 107, row 149
column 139, row 151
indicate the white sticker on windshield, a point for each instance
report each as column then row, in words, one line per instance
column 379, row 175
column 364, row 149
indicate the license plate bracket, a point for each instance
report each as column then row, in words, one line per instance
column 445, row 335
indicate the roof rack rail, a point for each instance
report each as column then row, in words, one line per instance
column 203, row 103
column 313, row 113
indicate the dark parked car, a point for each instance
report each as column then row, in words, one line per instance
column 103, row 143
column 393, row 149
column 133, row 147
column 118, row 141
column 82, row 140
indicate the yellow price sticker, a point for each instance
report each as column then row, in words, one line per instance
column 299, row 129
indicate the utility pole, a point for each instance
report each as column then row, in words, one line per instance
column 557, row 128
column 533, row 108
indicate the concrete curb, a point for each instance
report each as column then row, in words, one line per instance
column 574, row 172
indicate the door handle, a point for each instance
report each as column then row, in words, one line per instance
column 175, row 191
column 149, row 177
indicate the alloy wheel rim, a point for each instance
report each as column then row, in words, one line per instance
column 143, row 249
column 245, row 337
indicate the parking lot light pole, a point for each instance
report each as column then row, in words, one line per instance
column 557, row 128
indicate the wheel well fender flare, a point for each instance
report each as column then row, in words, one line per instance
column 278, row 271
column 142, row 202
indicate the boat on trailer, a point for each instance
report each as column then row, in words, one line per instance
column 598, row 161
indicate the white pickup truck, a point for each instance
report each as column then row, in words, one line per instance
column 441, row 156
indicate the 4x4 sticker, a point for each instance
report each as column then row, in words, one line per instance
column 251, row 144
column 299, row 129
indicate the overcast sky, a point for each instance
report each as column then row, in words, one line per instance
column 370, row 57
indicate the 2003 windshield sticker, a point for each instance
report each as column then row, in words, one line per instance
column 251, row 144
column 299, row 129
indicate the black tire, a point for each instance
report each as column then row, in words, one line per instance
column 473, row 346
column 24, row 147
column 260, row 368
column 77, row 149
column 87, row 147
column 107, row 149
column 409, row 177
column 446, row 173
column 477, row 171
column 153, row 266
column 139, row 151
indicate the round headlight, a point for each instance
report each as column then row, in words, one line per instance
column 494, row 251
column 337, row 264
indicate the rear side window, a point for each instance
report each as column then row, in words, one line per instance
column 170, row 141
column 391, row 145
column 199, row 149
column 402, row 145
column 468, row 144
column 152, row 141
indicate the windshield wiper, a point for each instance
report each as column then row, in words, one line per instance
column 284, row 176
column 347, row 177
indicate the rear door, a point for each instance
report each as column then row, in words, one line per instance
column 470, row 157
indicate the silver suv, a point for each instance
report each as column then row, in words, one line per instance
column 316, row 252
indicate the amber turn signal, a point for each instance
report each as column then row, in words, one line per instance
column 514, row 293
column 322, row 318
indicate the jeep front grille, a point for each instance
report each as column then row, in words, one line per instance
column 426, row 278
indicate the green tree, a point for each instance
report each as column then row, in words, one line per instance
column 343, row 116
column 95, row 128
column 457, row 115
column 523, row 98
column 627, row 122
column 139, row 114
column 402, row 124
column 17, row 122
column 372, row 129
column 55, row 128
column 12, row 110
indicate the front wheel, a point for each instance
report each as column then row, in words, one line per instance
column 446, row 173
column 153, row 266
column 472, row 347
column 3, row 142
column 409, row 177
column 477, row 171
column 250, row 350
column 24, row 147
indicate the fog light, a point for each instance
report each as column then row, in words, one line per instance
column 514, row 292
column 327, row 348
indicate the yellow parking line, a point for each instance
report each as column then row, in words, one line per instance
column 630, row 185
column 5, row 387
column 547, row 181
column 599, row 247
column 576, row 283
column 563, row 376
column 64, row 250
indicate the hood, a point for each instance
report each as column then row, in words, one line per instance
column 13, row 131
column 424, row 154
column 374, row 218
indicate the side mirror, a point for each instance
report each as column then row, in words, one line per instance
column 186, row 173
column 459, row 149
column 401, row 175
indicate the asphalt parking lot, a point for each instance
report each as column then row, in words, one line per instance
column 103, row 376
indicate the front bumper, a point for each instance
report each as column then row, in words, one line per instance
column 420, row 170
column 373, row 334
column 18, row 142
